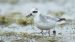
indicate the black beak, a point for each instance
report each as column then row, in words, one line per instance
column 29, row 15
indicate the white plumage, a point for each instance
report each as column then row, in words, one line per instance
column 44, row 22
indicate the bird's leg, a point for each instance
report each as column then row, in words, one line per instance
column 42, row 32
column 49, row 32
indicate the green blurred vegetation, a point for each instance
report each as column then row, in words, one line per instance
column 25, row 36
column 5, row 20
column 18, row 18
column 22, row 34
column 15, row 17
column 25, row 21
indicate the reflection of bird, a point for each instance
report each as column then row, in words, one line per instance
column 44, row 22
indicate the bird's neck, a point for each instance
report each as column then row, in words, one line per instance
column 36, row 18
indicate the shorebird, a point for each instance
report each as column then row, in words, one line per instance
column 43, row 22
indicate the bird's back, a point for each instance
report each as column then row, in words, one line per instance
column 44, row 24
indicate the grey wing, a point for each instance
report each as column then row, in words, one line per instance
column 42, row 18
column 52, row 18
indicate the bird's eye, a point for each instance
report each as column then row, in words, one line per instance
column 35, row 11
column 61, row 19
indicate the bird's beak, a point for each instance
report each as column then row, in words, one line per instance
column 29, row 15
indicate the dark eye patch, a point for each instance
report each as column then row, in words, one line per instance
column 61, row 19
column 35, row 11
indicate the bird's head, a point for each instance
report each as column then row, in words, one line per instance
column 34, row 12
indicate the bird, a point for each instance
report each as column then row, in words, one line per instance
column 43, row 22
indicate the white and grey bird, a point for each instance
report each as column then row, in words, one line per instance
column 44, row 22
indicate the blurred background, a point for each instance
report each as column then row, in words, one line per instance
column 43, row 5
column 12, row 12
